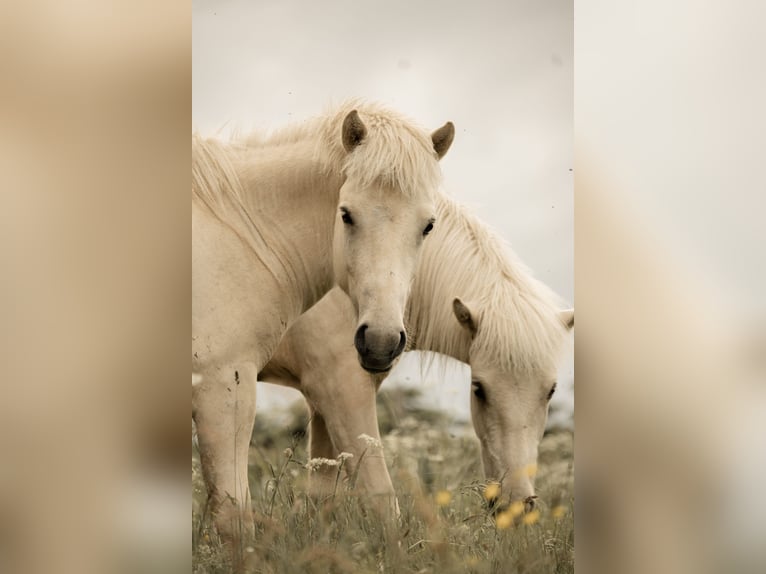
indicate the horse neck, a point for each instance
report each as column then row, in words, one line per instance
column 291, row 199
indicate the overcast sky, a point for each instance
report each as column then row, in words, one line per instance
column 501, row 71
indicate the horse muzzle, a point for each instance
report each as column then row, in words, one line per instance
column 378, row 349
column 496, row 507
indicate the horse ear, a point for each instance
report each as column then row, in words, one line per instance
column 567, row 317
column 464, row 315
column 442, row 139
column 353, row 131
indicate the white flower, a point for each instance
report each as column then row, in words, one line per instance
column 315, row 463
column 342, row 457
column 370, row 441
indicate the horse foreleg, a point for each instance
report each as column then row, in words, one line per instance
column 345, row 402
column 223, row 407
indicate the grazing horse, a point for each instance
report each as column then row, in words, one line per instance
column 473, row 300
column 347, row 199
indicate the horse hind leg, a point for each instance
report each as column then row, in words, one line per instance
column 223, row 407
column 323, row 479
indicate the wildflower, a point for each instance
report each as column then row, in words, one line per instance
column 529, row 470
column 504, row 520
column 370, row 441
column 516, row 508
column 316, row 463
column 342, row 457
column 443, row 497
column 558, row 511
column 531, row 517
column 288, row 452
column 492, row 491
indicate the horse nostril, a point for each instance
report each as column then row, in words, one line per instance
column 402, row 343
column 359, row 339
column 529, row 503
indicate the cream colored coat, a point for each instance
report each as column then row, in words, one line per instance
column 275, row 223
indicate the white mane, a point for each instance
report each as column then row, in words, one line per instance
column 518, row 316
column 395, row 153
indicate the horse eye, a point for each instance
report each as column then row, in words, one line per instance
column 478, row 390
column 553, row 390
column 346, row 216
column 428, row 228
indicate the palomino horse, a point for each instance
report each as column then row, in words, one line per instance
column 472, row 300
column 347, row 198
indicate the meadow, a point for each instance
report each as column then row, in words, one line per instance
column 445, row 523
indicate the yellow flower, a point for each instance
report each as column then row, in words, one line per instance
column 443, row 497
column 516, row 508
column 504, row 520
column 558, row 511
column 531, row 517
column 529, row 470
column 492, row 490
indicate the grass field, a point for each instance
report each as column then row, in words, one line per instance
column 444, row 525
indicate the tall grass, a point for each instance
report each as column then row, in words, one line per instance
column 444, row 525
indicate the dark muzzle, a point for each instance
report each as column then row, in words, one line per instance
column 378, row 349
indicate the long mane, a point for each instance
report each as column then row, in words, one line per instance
column 216, row 185
column 518, row 316
column 213, row 176
column 396, row 153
